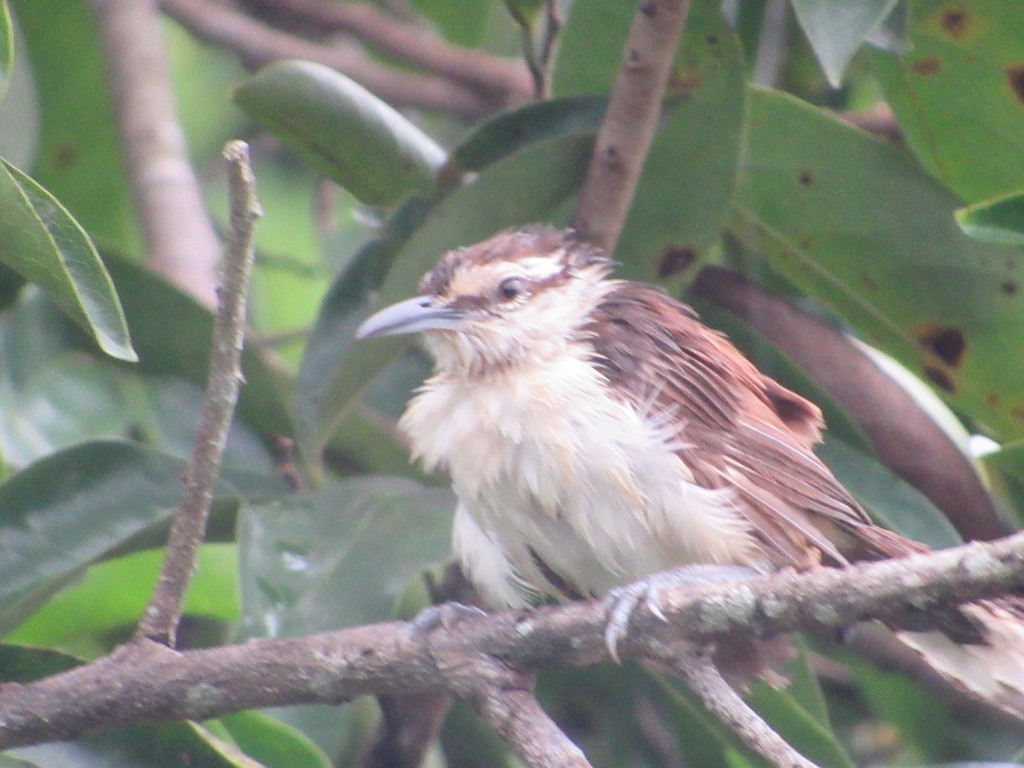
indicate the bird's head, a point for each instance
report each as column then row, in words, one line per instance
column 521, row 295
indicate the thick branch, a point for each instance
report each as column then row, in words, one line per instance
column 146, row 683
column 160, row 620
column 501, row 79
column 630, row 122
column 258, row 44
column 180, row 238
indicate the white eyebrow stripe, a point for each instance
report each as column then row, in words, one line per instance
column 537, row 267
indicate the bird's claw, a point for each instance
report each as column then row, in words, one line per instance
column 443, row 616
column 622, row 601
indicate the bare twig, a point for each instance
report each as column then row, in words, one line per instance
column 630, row 122
column 258, row 44
column 519, row 718
column 698, row 671
column 180, row 238
column 501, row 80
column 160, row 621
column 146, row 683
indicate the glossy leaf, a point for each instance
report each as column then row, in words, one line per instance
column 684, row 190
column 112, row 594
column 836, row 29
column 343, row 308
column 510, row 132
column 272, row 743
column 336, row 558
column 78, row 155
column 342, row 130
column 892, row 501
column 855, row 224
column 528, row 186
column 68, row 510
column 958, row 92
column 995, row 221
column 46, row 246
column 591, row 47
column 168, row 745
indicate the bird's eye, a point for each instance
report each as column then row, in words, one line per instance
column 511, row 288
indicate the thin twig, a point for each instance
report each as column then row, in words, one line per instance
column 180, row 239
column 630, row 122
column 699, row 673
column 258, row 44
column 142, row 684
column 160, row 621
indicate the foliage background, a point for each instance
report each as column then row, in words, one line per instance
column 757, row 167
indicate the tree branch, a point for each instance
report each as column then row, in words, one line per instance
column 180, row 239
column 258, row 44
column 160, row 620
column 498, row 79
column 144, row 683
column 630, row 122
column 698, row 671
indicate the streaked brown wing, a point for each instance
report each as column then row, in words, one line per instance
column 739, row 428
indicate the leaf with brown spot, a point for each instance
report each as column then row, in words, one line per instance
column 957, row 93
column 940, row 297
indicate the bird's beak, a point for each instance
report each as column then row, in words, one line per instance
column 420, row 313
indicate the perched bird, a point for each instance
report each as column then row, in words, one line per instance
column 597, row 433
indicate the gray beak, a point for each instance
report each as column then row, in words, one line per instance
column 420, row 313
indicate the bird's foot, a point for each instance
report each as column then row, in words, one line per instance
column 443, row 616
column 622, row 601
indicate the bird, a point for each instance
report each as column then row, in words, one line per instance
column 598, row 434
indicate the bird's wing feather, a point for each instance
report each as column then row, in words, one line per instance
column 736, row 427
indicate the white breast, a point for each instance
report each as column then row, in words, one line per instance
column 549, row 466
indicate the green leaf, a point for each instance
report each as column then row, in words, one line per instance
column 168, row 745
column 460, row 21
column 343, row 308
column 48, row 247
column 892, row 501
column 112, row 595
column 66, row 511
column 342, row 130
column 859, row 226
column 694, row 157
column 836, row 29
column 809, row 735
column 528, row 186
column 319, row 561
column 272, row 743
column 995, row 221
column 958, row 92
column 78, row 154
column 171, row 333
column 510, row 132
column 6, row 47
column 591, row 46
